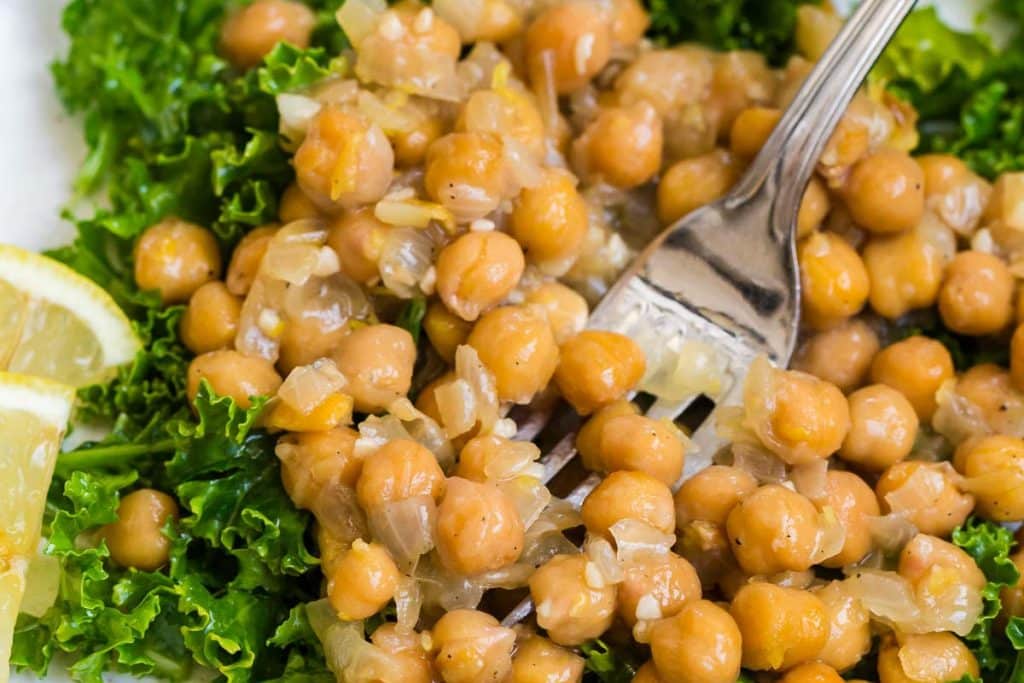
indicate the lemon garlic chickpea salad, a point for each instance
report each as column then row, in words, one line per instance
column 497, row 163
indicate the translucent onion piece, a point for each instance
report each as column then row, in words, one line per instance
column 442, row 588
column 391, row 116
column 253, row 338
column 765, row 467
column 513, row 459
column 476, row 69
column 456, row 403
column 423, row 429
column 512, row 576
column 529, row 496
column 523, row 168
column 376, row 431
column 408, row 601
column 957, row 418
column 294, row 252
column 332, row 301
column 811, row 479
column 307, row 386
column 296, row 112
column 832, row 537
column 920, row 491
column 337, row 511
column 558, row 515
column 405, row 257
column 947, row 603
column 891, row 532
column 694, row 368
column 348, row 654
column 604, row 560
column 541, row 545
column 887, row 596
column 405, row 527
column 358, row 18
column 633, row 537
column 470, row 368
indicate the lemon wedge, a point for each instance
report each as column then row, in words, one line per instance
column 33, row 415
column 54, row 323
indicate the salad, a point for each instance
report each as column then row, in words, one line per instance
column 341, row 251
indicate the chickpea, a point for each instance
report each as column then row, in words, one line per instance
column 668, row 579
column 550, row 220
column 741, row 79
column 815, row 29
column 496, row 21
column 251, row 33
column 538, row 660
column 853, row 503
column 517, row 345
column 588, row 439
column 477, row 271
column 246, row 259
column 668, row 79
column 989, row 389
column 906, row 269
column 137, row 538
column 647, row 674
column 176, row 258
column 344, row 162
column 445, row 330
column 1012, row 597
column 834, row 281
column 916, row 367
column 622, row 145
column 883, row 428
column 812, row 672
column 751, row 129
column 465, row 172
column 849, row 637
column 938, row 658
column 506, row 111
column 478, row 528
column 295, row 206
column 635, row 442
column 628, row 495
column 565, row 309
column 711, row 494
column 306, row 339
column 701, row 643
column 356, row 237
column 377, row 361
column 471, row 646
column 1017, row 358
column 233, row 374
column 211, row 319
column 407, row 648
column 598, row 367
column 362, row 581
column 568, row 607
column 953, row 192
column 885, row 192
column 567, row 44
column 944, row 577
column 926, row 494
column 691, row 183
column 1002, row 213
column 411, row 145
column 312, row 461
column 814, row 206
column 400, row 469
column 797, row 416
column 977, row 294
column 629, row 22
column 774, row 530
column 841, row 355
column 781, row 627
column 994, row 467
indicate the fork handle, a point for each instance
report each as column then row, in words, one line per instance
column 791, row 152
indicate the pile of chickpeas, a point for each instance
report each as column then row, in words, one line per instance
column 500, row 159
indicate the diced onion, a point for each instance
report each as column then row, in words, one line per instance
column 405, row 527
column 765, row 467
column 811, row 479
column 891, row 532
column 604, row 560
column 832, row 537
column 456, row 403
column 307, row 386
column 529, row 495
column 633, row 538
column 470, row 368
column 887, row 596
column 295, row 112
column 358, row 18
column 405, row 257
column 408, row 601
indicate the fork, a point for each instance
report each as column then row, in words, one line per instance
column 726, row 275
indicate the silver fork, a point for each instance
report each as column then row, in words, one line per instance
column 726, row 275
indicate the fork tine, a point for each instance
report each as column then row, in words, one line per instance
column 706, row 442
column 663, row 409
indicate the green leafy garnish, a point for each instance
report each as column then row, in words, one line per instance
column 411, row 317
column 607, row 664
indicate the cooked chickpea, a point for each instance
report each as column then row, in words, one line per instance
column 400, row 469
column 781, row 627
column 246, row 259
column 622, row 146
column 905, row 270
column 812, row 672
column 994, row 467
column 377, row 361
column 751, row 129
column 647, row 674
column 137, row 538
column 294, row 205
column 344, row 162
column 916, row 367
column 471, row 646
column 176, row 258
column 1017, row 358
column 588, row 439
column 944, row 577
column 1012, row 597
column 251, row 33
column 797, row 416
column 517, row 345
column 408, row 648
column 495, row 21
column 977, row 294
column 233, row 374
column 629, row 495
column 701, row 643
column 306, row 339
column 565, row 309
column 883, row 428
column 629, row 22
column 550, row 220
column 567, row 44
column 990, row 391
column 362, row 581
column 938, row 658
column 356, row 237
column 569, row 608
column 854, row 504
column 313, row 461
column 741, row 79
column 210, row 320
column 691, row 183
column 507, row 112
column 598, row 367
column 953, row 192
column 635, row 442
column 841, row 355
column 465, row 172
column 538, row 660
column 926, row 494
column 834, row 281
column 477, row 271
column 411, row 144
column 478, row 528
column 668, row 79
column 849, row 637
column 445, row 330
column 815, row 29
column 885, row 192
column 711, row 494
column 668, row 580
column 774, row 529
column 814, row 206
